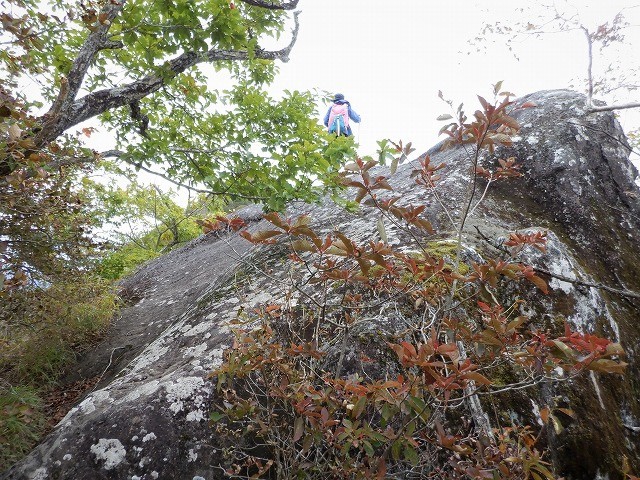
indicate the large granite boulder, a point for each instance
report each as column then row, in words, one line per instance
column 148, row 417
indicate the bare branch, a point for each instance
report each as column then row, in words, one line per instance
column 600, row 286
column 609, row 108
column 589, row 66
column 122, row 156
column 271, row 5
column 96, row 41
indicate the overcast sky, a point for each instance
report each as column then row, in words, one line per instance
column 390, row 58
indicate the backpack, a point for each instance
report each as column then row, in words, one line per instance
column 337, row 126
column 339, row 120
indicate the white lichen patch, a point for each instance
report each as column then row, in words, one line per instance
column 532, row 140
column 149, row 436
column 181, row 390
column 192, row 456
column 612, row 322
column 214, row 358
column 536, row 412
column 560, row 155
column 587, row 309
column 88, row 405
column 67, row 457
column 40, row 474
column 110, row 451
column 142, row 391
column 575, row 186
column 150, row 355
column 196, row 351
column 596, row 386
column 262, row 297
column 629, row 421
column 195, row 416
column 199, row 329
column 563, row 267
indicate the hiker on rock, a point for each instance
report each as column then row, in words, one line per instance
column 338, row 116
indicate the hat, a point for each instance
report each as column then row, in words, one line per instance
column 338, row 97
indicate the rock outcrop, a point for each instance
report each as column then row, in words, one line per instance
column 148, row 418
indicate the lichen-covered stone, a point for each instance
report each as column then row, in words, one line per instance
column 148, row 417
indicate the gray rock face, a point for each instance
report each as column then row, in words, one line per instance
column 148, row 417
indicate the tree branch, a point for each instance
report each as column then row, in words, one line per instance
column 273, row 6
column 609, row 108
column 98, row 102
column 589, row 67
column 111, row 45
column 600, row 286
column 96, row 41
column 122, row 156
column 67, row 112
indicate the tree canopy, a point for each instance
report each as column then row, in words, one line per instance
column 147, row 71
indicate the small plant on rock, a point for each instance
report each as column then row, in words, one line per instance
column 379, row 361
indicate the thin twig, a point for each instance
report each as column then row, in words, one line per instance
column 600, row 286
column 105, row 370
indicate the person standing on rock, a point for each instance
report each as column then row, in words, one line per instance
column 338, row 116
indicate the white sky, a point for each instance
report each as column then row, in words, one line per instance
column 390, row 58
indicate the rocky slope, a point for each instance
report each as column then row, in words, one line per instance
column 148, row 417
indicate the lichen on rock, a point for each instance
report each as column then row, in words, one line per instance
column 148, row 418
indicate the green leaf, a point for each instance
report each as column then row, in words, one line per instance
column 394, row 165
column 368, row 448
column 298, row 428
column 420, row 408
column 216, row 416
column 411, row 455
column 565, row 350
column 381, row 230
column 396, row 450
column 359, row 407
column 606, row 365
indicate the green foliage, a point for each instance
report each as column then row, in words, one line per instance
column 242, row 143
column 46, row 215
column 146, row 222
column 237, row 143
column 43, row 328
column 124, row 260
column 21, row 422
